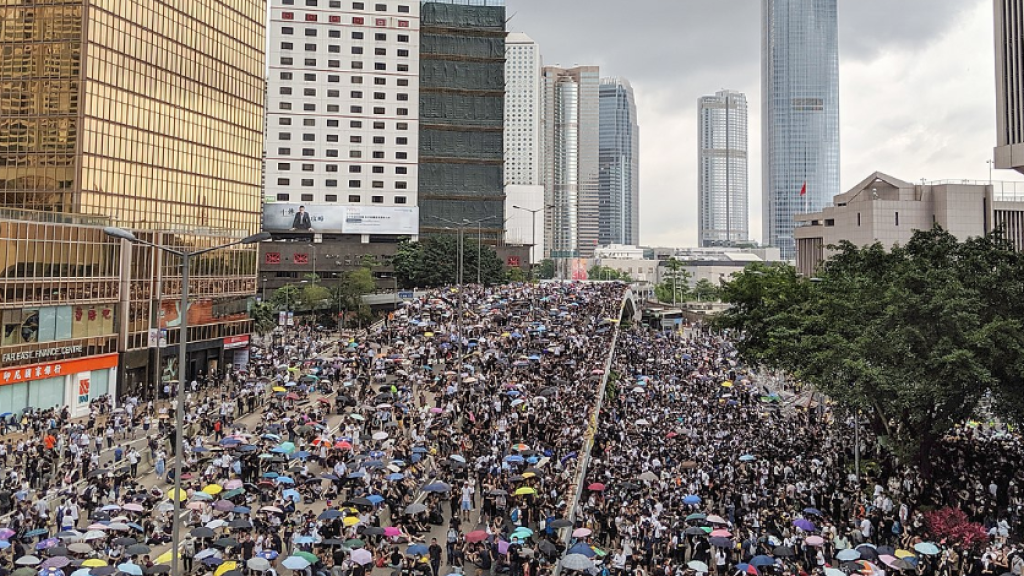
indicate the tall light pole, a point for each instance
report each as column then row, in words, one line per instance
column 533, row 222
column 179, row 412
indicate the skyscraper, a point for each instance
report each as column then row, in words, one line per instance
column 722, row 211
column 524, row 193
column 800, row 113
column 342, row 116
column 619, row 164
column 1009, row 35
column 571, row 133
column 130, row 116
column 462, row 115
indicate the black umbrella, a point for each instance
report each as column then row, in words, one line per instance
column 103, row 571
column 695, row 531
column 240, row 523
column 783, row 551
column 332, row 542
column 137, row 549
column 202, row 532
column 867, row 552
column 124, row 541
column 547, row 548
column 560, row 523
column 225, row 543
column 373, row 531
column 157, row 569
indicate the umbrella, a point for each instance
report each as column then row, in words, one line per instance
column 697, row 566
column 577, row 562
column 268, row 554
column 295, row 563
column 137, row 549
column 926, row 548
column 476, row 536
column 783, row 552
column 55, row 562
column 417, row 550
column 714, row 519
column 749, row 569
column 28, row 560
column 581, row 532
column 525, row 491
column 804, row 524
column 596, row 487
column 696, row 516
column 691, row 499
column 225, row 568
column 362, row 556
column 80, row 548
column 94, row 563
column 848, row 555
column 814, row 541
column 415, row 508
column 133, row 569
column 762, row 560
column 581, row 548
column 202, row 532
column 834, row 572
column 258, row 564
column 437, row 487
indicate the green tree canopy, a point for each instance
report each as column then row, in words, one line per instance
column 434, row 261
column 606, row 273
column 546, row 269
column 675, row 284
column 911, row 337
column 705, row 291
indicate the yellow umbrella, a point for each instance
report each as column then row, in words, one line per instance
column 213, row 489
column 349, row 521
column 727, row 384
column 229, row 565
column 278, row 389
column 181, row 496
column 505, row 334
column 94, row 563
column 904, row 554
column 428, row 334
column 528, row 474
column 164, row 558
column 350, row 510
column 525, row 490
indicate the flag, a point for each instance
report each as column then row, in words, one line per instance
column 803, row 191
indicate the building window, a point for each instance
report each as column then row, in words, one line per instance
column 286, row 45
column 357, row 65
column 333, row 108
column 402, row 111
column 334, row 78
column 403, row 23
column 378, row 110
column 402, row 141
column 378, row 81
column 335, row 3
column 380, row 66
column 402, row 126
column 355, row 169
column 309, row 107
column 355, row 139
column 378, row 96
column 285, row 90
column 355, row 124
column 331, row 197
column 897, row 218
column 403, row 97
column 334, row 33
column 357, row 49
column 380, row 7
column 357, row 5
column 309, row 92
column 355, row 184
column 403, row 67
column 355, row 154
column 307, row 168
column 378, row 155
column 332, row 184
column 355, row 109
column 378, row 125
column 334, row 63
column 378, row 169
column 284, row 136
column 334, row 49
column 310, row 31
column 332, row 137
column 333, row 93
column 288, row 15
column 403, row 53
column 286, row 75
column 310, row 61
column 332, row 123
column 355, row 94
column 332, row 153
column 307, row 197
column 401, row 170
column 403, row 9
column 310, row 17
column 858, row 218
column 381, row 21
column 310, row 47
column 282, row 197
column 401, row 185
column 403, row 37
column 377, row 199
column 331, row 167
column 283, row 181
column 378, row 184
column 358, row 20
column 284, row 151
column 354, row 198
column 307, row 182
column 401, row 155
column 286, row 61
column 400, row 200
column 287, row 30
column 380, row 51
column 309, row 77
column 308, row 152
column 309, row 138
column 284, row 166
column 378, row 139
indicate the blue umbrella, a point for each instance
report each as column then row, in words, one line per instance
column 292, row 495
column 36, row 532
column 419, row 450
column 396, row 476
column 212, row 561
column 241, row 510
column 270, row 475
column 417, row 550
column 356, row 475
column 330, row 514
column 748, row 458
column 814, row 511
column 133, row 569
column 848, row 555
column 762, row 560
column 4, row 544
column 135, row 526
column 926, row 548
column 230, row 442
column 200, row 449
column 514, row 458
column 304, row 540
column 375, row 498
column 301, row 455
column 437, row 487
column 582, row 548
column 268, row 554
column 371, row 464
column 691, row 499
column 284, row 480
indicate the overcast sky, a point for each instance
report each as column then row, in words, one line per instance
column 917, row 87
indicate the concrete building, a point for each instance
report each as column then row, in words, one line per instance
column 524, row 191
column 619, row 252
column 343, row 118
column 639, row 269
column 722, row 197
column 885, row 209
column 105, row 122
column 619, row 164
column 462, row 116
column 571, row 131
column 1009, row 43
column 800, row 113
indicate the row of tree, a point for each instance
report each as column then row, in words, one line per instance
column 341, row 298
column 911, row 339
column 434, row 261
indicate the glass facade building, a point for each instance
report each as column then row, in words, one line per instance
column 722, row 201
column 142, row 115
column 800, row 113
column 571, row 132
column 619, row 164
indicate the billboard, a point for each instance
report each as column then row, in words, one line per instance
column 294, row 217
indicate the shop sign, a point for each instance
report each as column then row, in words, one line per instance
column 42, row 353
column 55, row 369
column 236, row 341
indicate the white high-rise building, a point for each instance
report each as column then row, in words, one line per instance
column 342, row 130
column 722, row 211
column 524, row 191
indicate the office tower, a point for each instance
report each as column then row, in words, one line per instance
column 619, row 164
column 800, row 113
column 722, row 211
column 462, row 116
column 151, row 120
column 1009, row 24
column 524, row 193
column 571, row 131
column 342, row 110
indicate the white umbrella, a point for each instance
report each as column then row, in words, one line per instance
column 93, row 535
column 576, row 562
column 362, row 556
column 380, row 435
column 697, row 565
column 258, row 564
column 28, row 560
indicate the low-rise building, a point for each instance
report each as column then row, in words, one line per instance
column 885, row 209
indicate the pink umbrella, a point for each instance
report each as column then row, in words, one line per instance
column 815, row 540
column 436, row 410
column 596, row 487
column 362, row 556
column 581, row 532
column 231, row 485
column 721, row 533
column 133, row 507
column 392, row 531
column 97, row 527
column 476, row 536
column 502, row 547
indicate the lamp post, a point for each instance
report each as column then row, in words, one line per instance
column 533, row 222
column 179, row 413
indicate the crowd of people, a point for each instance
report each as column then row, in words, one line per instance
column 463, row 437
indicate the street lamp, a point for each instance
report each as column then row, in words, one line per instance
column 533, row 222
column 179, row 416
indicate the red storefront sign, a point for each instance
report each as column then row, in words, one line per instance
column 54, row 369
column 236, row 342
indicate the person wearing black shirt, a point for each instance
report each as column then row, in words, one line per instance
column 435, row 556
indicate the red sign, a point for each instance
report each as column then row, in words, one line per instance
column 382, row 22
column 357, row 19
column 288, row 15
column 310, row 17
column 403, row 23
column 513, row 262
column 300, row 258
column 236, row 341
column 272, row 258
column 335, row 19
column 55, row 369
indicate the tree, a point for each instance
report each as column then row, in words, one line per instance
column 705, row 291
column 286, row 297
column 952, row 524
column 675, row 287
column 263, row 316
column 546, row 269
column 312, row 296
column 607, row 273
column 347, row 295
column 434, row 262
column 515, row 274
column 912, row 337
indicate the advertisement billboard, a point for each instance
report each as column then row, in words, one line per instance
column 294, row 217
